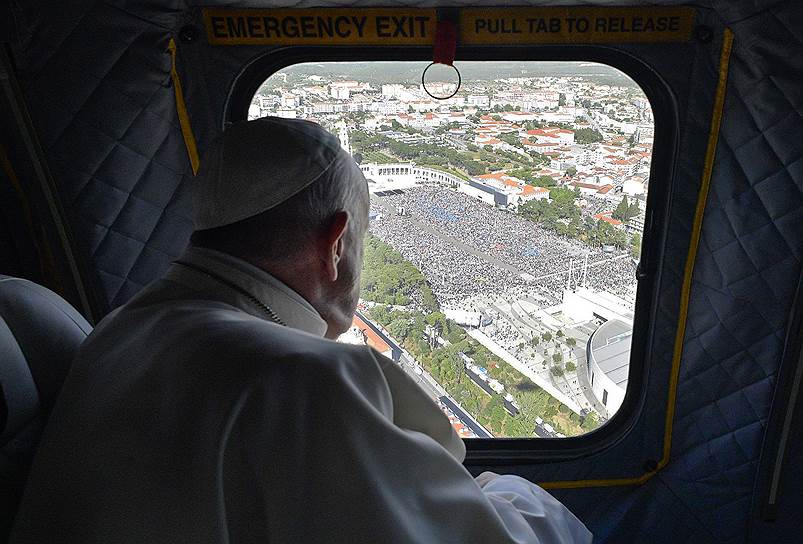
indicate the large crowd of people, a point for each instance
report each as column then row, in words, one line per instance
column 453, row 274
column 505, row 246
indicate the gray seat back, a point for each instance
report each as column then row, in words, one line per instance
column 39, row 335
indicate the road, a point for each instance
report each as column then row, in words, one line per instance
column 434, row 389
column 582, row 369
column 428, row 383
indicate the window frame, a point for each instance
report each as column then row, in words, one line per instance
column 512, row 451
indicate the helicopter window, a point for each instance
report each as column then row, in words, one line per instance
column 506, row 227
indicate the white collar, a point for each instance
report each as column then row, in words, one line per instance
column 289, row 306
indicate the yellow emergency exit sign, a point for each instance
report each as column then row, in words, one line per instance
column 362, row 26
column 476, row 26
column 574, row 25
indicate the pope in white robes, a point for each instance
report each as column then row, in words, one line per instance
column 214, row 408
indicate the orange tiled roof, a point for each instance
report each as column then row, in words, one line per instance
column 495, row 175
column 606, row 216
column 372, row 339
column 582, row 185
column 528, row 190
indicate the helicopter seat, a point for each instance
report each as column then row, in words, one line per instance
column 39, row 335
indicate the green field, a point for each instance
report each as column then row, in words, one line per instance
column 377, row 157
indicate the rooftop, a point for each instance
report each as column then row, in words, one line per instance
column 610, row 346
column 371, row 338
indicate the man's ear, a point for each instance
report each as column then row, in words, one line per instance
column 334, row 239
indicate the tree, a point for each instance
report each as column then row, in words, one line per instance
column 635, row 245
column 622, row 210
column 524, row 174
column 587, row 136
column 571, row 171
column 590, row 422
column 436, row 320
column 428, row 299
column 547, row 336
column 458, row 367
column 474, row 168
column 604, row 233
column 563, row 197
column 559, row 334
column 511, row 138
column 561, row 99
column 544, row 181
column 571, row 367
column 388, row 278
column 399, row 328
column 557, row 357
column 634, row 209
column 571, row 342
column 556, row 371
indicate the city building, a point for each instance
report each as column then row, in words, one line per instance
column 582, row 305
column 362, row 334
column 608, row 363
column 340, row 92
column 645, row 134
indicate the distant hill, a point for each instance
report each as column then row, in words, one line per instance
column 410, row 72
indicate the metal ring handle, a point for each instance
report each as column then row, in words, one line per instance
column 424, row 85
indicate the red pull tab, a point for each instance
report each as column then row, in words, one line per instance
column 443, row 49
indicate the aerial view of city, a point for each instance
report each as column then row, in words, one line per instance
column 506, row 225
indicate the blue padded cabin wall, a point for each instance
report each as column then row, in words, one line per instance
column 15, row 243
column 38, row 238
column 97, row 81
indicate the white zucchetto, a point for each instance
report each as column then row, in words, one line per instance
column 256, row 165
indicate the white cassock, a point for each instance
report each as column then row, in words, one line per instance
column 190, row 417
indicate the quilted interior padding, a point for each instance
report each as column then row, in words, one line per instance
column 110, row 130
column 745, row 275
